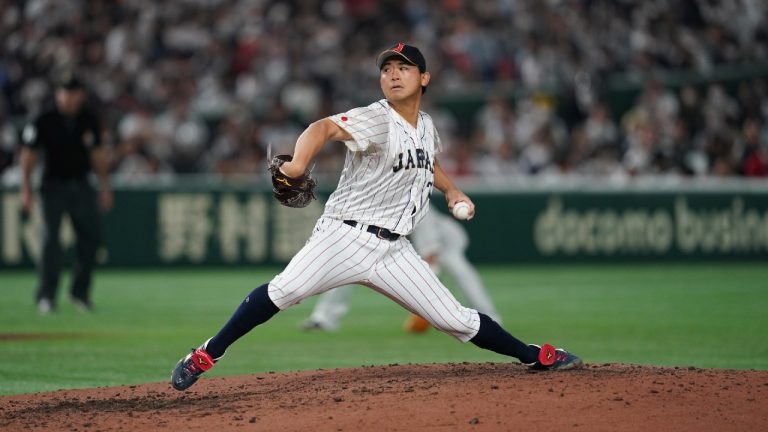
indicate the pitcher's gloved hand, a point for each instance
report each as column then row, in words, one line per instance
column 291, row 192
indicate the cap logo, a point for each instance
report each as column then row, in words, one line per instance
column 399, row 47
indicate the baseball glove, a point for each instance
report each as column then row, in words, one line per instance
column 291, row 192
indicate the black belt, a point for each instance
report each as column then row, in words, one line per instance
column 381, row 233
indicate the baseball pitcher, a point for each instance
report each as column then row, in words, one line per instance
column 383, row 193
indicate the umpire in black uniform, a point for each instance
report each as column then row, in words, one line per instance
column 68, row 138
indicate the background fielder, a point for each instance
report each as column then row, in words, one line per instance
column 383, row 192
column 440, row 241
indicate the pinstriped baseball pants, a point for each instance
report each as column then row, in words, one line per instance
column 338, row 254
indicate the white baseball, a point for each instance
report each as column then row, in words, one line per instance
column 461, row 210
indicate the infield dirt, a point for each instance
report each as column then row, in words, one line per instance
column 436, row 397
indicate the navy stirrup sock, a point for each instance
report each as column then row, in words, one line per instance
column 256, row 309
column 494, row 338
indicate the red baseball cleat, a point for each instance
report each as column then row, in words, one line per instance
column 556, row 359
column 189, row 368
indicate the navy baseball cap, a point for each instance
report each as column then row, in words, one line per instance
column 409, row 53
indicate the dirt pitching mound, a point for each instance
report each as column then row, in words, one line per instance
column 438, row 397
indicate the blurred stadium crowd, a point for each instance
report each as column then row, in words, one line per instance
column 202, row 86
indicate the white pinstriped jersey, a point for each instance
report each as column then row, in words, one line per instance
column 389, row 169
column 386, row 182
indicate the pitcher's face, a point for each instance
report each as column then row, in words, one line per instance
column 400, row 80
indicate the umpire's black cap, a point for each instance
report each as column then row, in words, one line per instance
column 69, row 81
column 409, row 53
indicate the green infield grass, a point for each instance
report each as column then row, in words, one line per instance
column 703, row 315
